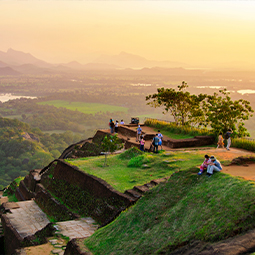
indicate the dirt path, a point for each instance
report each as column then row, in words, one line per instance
column 245, row 171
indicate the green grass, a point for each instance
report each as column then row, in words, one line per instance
column 88, row 108
column 125, row 173
column 188, row 207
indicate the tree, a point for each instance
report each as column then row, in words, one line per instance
column 222, row 113
column 184, row 107
column 110, row 144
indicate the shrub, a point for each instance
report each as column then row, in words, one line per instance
column 172, row 127
column 130, row 153
column 138, row 161
column 243, row 143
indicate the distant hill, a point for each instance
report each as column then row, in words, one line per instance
column 13, row 57
column 31, row 69
column 99, row 66
column 2, row 64
column 8, row 71
column 126, row 60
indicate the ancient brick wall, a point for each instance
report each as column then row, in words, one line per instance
column 52, row 206
column 98, row 187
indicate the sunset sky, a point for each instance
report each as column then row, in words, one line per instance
column 201, row 33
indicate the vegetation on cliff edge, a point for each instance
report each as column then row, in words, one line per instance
column 188, row 207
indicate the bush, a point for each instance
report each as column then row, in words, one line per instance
column 138, row 161
column 172, row 127
column 130, row 153
column 243, row 143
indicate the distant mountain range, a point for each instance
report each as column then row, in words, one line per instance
column 13, row 58
column 126, row 60
column 19, row 62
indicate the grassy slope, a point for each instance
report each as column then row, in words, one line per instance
column 89, row 108
column 185, row 208
column 125, row 173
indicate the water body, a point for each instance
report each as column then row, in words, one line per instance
column 7, row 97
column 246, row 91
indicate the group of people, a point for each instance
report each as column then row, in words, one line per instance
column 210, row 164
column 227, row 136
column 114, row 126
column 156, row 141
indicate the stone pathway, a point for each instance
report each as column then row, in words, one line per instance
column 27, row 218
column 81, row 228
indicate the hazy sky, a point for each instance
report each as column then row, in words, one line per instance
column 195, row 32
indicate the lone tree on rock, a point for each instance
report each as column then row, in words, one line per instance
column 110, row 144
column 184, row 107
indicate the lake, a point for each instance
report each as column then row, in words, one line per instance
column 7, row 97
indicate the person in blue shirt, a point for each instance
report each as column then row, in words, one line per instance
column 139, row 132
column 155, row 142
column 214, row 165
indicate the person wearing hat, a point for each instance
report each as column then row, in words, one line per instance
column 214, row 165
column 139, row 132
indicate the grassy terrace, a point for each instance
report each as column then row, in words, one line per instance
column 133, row 167
column 186, row 208
column 88, row 108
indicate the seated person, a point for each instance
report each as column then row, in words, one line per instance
column 214, row 165
column 204, row 165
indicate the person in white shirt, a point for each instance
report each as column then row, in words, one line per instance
column 160, row 136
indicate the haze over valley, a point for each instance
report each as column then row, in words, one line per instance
column 70, row 66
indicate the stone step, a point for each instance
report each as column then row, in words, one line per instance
column 158, row 181
column 133, row 193
column 141, row 189
column 81, row 228
column 150, row 185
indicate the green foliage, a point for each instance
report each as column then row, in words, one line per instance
column 65, row 115
column 245, row 144
column 173, row 128
column 184, row 107
column 138, row 161
column 110, row 144
column 223, row 113
column 23, row 148
column 185, row 209
column 130, row 153
column 218, row 112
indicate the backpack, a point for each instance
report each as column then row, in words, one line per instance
column 156, row 140
column 226, row 136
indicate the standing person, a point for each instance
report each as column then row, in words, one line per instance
column 122, row 122
column 142, row 142
column 160, row 136
column 220, row 141
column 204, row 165
column 228, row 137
column 155, row 142
column 214, row 165
column 139, row 132
column 116, row 126
column 112, row 125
